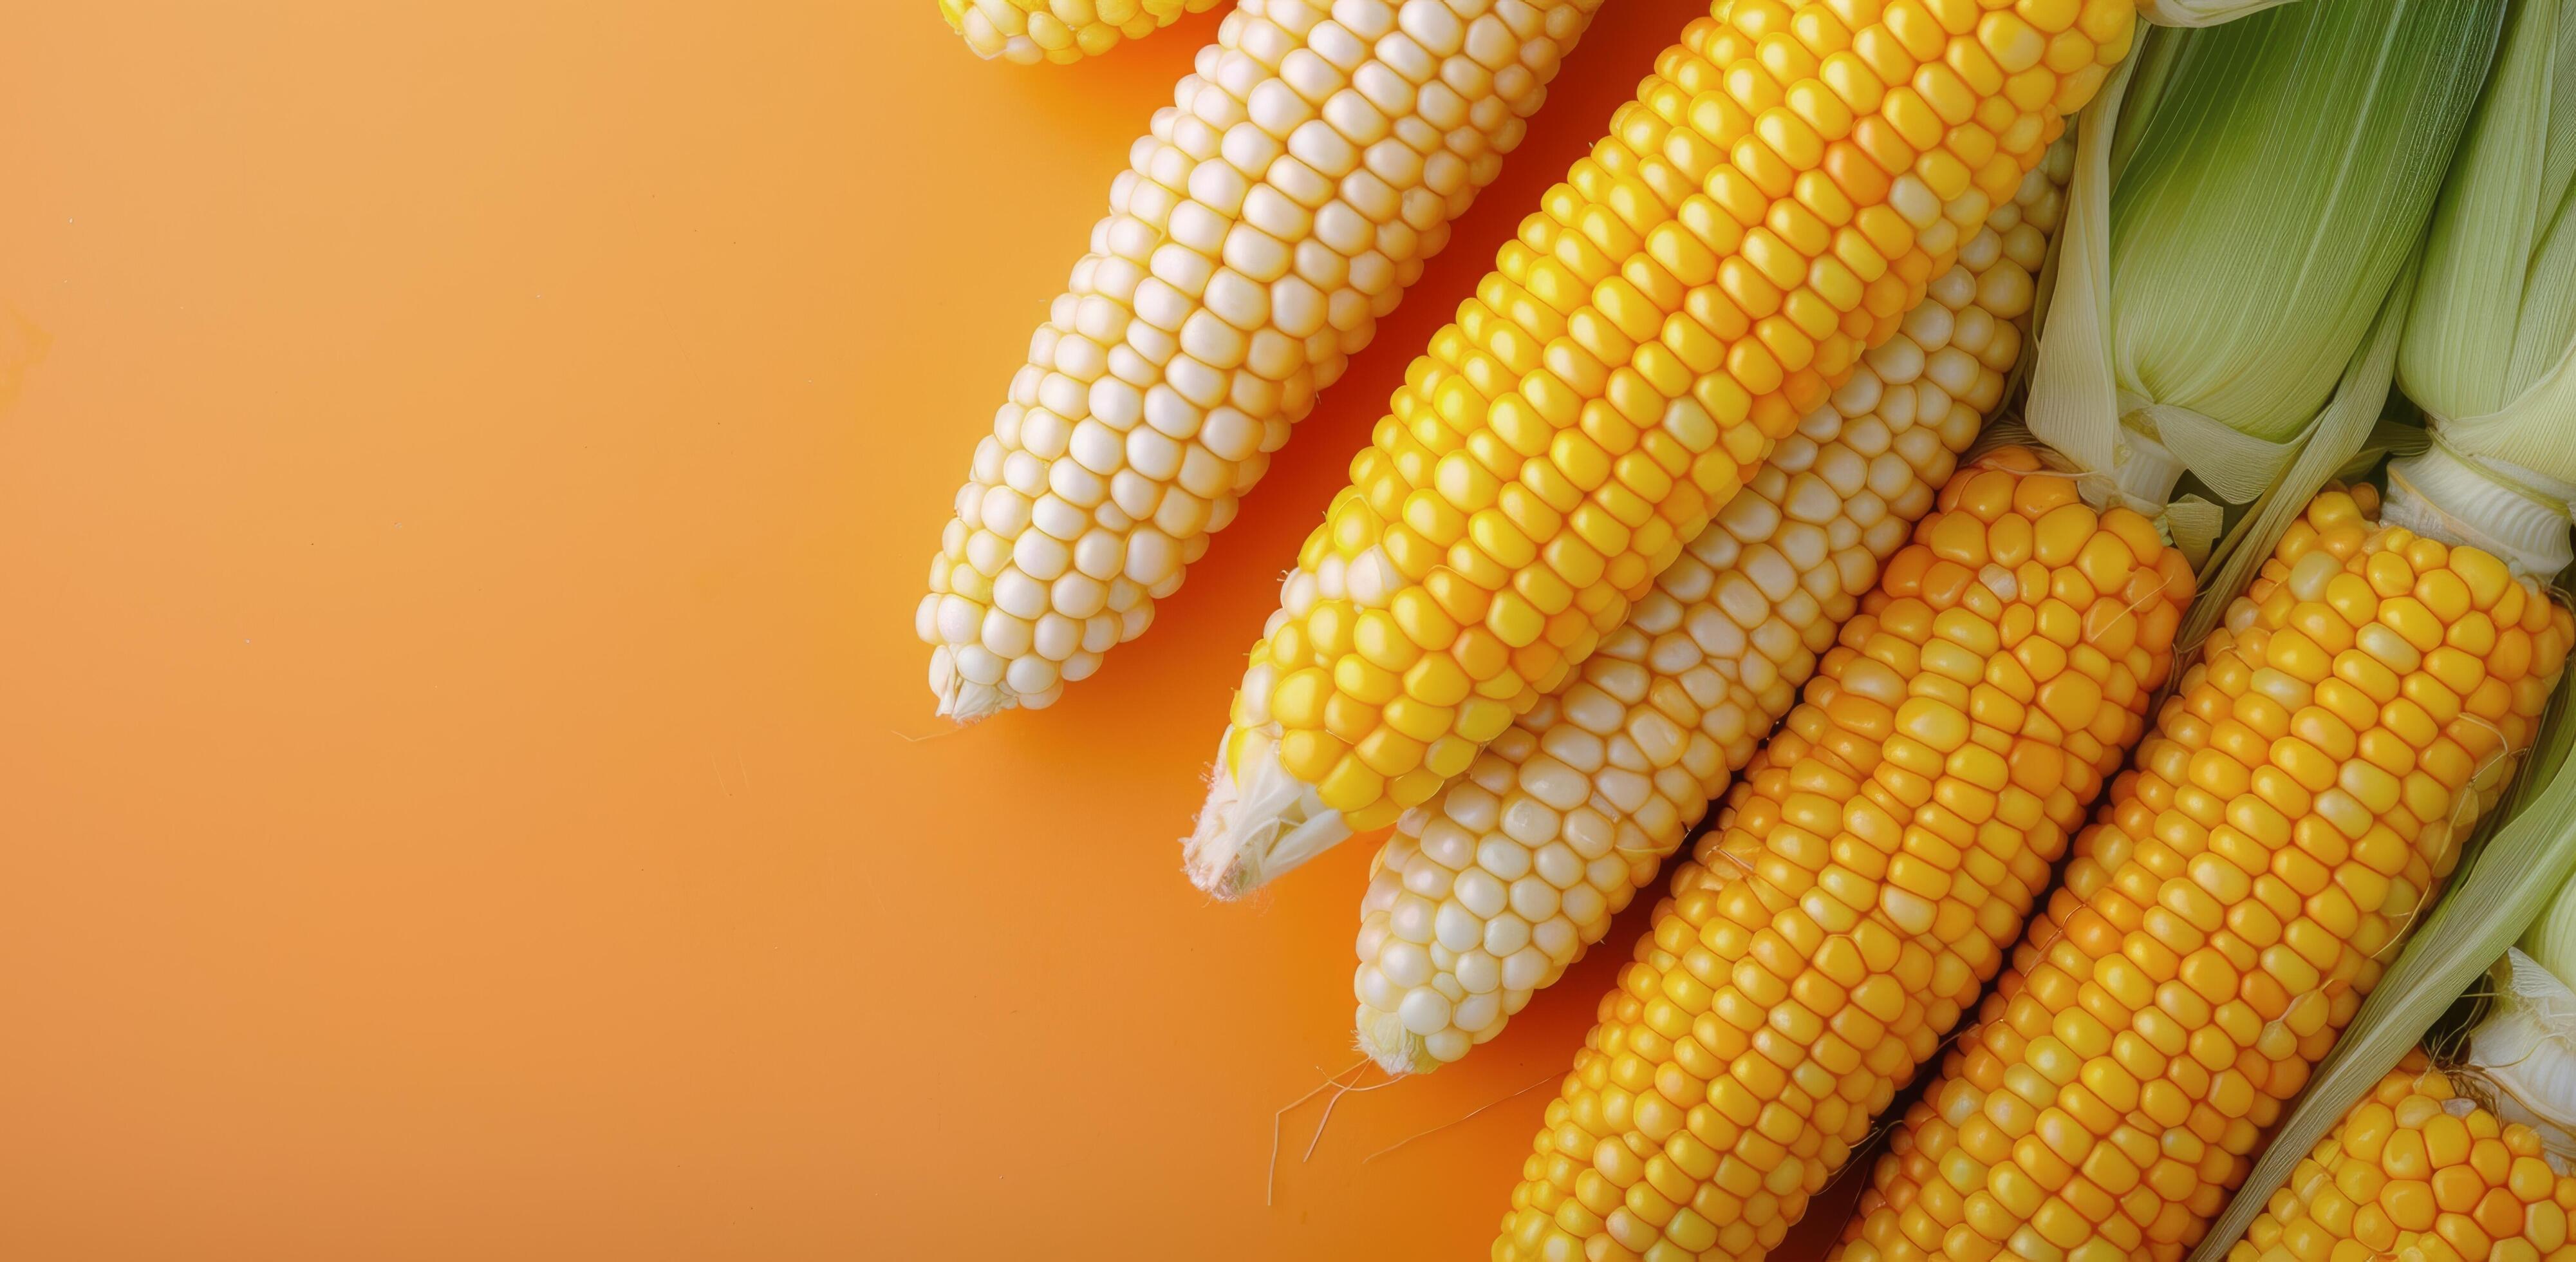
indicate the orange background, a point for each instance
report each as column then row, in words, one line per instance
column 465, row 478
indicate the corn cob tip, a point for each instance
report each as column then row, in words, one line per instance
column 1396, row 1050
column 966, row 700
column 1255, row 828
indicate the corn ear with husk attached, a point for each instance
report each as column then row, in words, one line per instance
column 2486, row 354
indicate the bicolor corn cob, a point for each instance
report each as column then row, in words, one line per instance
column 1278, row 209
column 1060, row 31
column 2419, row 1170
column 1865, row 878
column 2304, row 793
column 1499, row 883
column 1778, row 196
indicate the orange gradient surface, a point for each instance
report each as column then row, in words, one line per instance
column 466, row 472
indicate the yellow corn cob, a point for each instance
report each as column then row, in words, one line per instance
column 1498, row 884
column 1778, row 195
column 2419, row 1170
column 2304, row 793
column 1864, row 880
column 1060, row 31
column 1303, row 174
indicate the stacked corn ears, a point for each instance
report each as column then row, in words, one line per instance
column 1783, row 190
column 1865, row 878
column 1276, row 211
column 1493, row 888
column 2305, row 792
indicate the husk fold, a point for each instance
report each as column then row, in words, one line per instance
column 2490, row 348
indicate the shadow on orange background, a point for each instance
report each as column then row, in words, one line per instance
column 465, row 478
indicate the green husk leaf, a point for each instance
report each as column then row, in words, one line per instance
column 2490, row 349
column 2275, row 190
column 2246, row 198
column 2200, row 12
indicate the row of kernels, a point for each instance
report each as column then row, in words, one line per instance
column 1706, row 664
column 1269, row 219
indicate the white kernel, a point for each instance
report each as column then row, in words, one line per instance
column 1097, row 448
column 1351, row 114
column 1557, row 936
column 1552, row 783
column 1255, row 253
column 1277, row 109
column 1424, row 1012
column 1526, row 820
column 1456, row 928
column 1031, row 676
column 1474, row 807
column 979, row 664
column 1151, row 557
column 1372, row 579
column 958, row 619
column 1152, row 454
column 1003, row 635
column 1098, row 554
column 1313, row 77
column 1915, row 200
column 1448, row 844
column 1040, row 555
column 1484, row 894
column 1573, row 747
column 1076, row 595
column 1410, row 920
column 1015, row 593
column 1534, row 900
column 1375, row 990
column 1478, row 971
column 1115, row 403
column 1317, row 145
column 1405, row 963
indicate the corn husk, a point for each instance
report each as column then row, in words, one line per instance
column 2490, row 346
column 2233, row 278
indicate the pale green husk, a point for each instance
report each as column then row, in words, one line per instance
column 2490, row 349
column 2247, row 200
column 2200, row 12
column 2278, row 172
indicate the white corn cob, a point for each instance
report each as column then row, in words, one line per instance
column 1491, row 890
column 1060, row 31
column 1277, row 210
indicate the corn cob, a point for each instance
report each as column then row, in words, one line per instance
column 1060, row 31
column 1776, row 198
column 2421, row 1169
column 1278, row 209
column 1865, row 878
column 1507, row 877
column 2304, row 793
